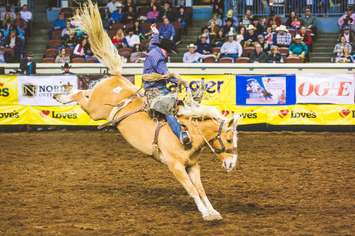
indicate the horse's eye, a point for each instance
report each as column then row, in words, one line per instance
column 229, row 140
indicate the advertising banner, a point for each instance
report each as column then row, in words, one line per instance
column 8, row 90
column 325, row 88
column 266, row 89
column 64, row 115
column 39, row 90
column 219, row 89
column 14, row 115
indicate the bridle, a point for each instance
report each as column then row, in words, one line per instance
column 219, row 139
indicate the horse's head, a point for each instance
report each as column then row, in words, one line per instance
column 224, row 144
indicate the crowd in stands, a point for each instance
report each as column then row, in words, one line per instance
column 345, row 48
column 15, row 28
column 127, row 24
column 253, row 39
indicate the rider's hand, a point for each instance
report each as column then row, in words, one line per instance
column 154, row 29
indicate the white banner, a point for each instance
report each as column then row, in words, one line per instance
column 39, row 90
column 325, row 88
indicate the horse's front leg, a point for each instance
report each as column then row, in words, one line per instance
column 181, row 175
column 195, row 176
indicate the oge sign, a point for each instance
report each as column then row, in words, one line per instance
column 332, row 89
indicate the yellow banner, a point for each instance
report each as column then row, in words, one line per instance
column 220, row 89
column 295, row 115
column 13, row 115
column 8, row 90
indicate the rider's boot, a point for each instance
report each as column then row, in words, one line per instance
column 185, row 139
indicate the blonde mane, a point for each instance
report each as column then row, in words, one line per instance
column 100, row 43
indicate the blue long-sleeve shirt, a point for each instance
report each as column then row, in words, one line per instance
column 167, row 31
column 155, row 62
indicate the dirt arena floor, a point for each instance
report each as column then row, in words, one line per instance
column 93, row 183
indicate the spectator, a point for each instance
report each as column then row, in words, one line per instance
column 298, row 48
column 7, row 28
column 231, row 48
column 206, row 31
column 346, row 57
column 16, row 44
column 202, row 46
column 8, row 14
column 264, row 45
column 228, row 26
column 26, row 15
column 62, row 57
column 118, row 16
column 338, row 49
column 307, row 37
column 167, row 30
column 131, row 14
column 282, row 38
column 296, row 23
column 66, row 69
column 274, row 21
column 213, row 29
column 349, row 36
column 258, row 28
column 153, row 15
column 309, row 21
column 269, row 35
column 19, row 22
column 241, row 34
column 290, row 18
column 3, row 40
column 230, row 16
column 218, row 40
column 118, row 39
column 344, row 19
column 250, row 36
column 218, row 7
column 192, row 56
column 258, row 55
column 247, row 18
column 132, row 39
column 216, row 19
column 60, row 23
column 81, row 49
column 138, row 29
column 2, row 56
column 27, row 66
column 70, row 41
column 168, row 12
column 275, row 55
column 182, row 18
column 112, row 6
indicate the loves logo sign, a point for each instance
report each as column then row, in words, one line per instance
column 283, row 113
column 58, row 115
column 344, row 113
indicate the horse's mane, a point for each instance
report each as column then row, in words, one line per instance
column 201, row 111
column 100, row 43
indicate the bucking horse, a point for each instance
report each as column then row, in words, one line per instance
column 117, row 100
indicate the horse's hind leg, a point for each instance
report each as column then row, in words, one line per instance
column 195, row 176
column 181, row 175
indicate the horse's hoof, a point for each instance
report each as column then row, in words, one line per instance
column 213, row 217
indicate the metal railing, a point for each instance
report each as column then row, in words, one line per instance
column 284, row 7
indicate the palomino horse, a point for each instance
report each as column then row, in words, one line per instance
column 139, row 129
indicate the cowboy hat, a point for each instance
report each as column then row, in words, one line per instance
column 282, row 28
column 167, row 45
column 230, row 13
column 251, row 27
column 191, row 45
column 203, row 36
column 298, row 36
column 231, row 34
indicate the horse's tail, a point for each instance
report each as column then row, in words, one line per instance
column 100, row 43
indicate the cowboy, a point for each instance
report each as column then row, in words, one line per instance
column 156, row 77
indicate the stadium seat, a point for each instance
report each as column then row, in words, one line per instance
column 68, row 51
column 48, row 60
column 209, row 59
column 247, row 51
column 125, row 52
column 78, row 60
column 51, row 52
column 243, row 60
column 9, row 51
column 117, row 26
column 226, row 60
column 293, row 60
column 283, row 51
column 54, row 43
column 216, row 50
column 91, row 60
column 56, row 34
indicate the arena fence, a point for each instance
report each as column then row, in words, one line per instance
column 301, row 95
